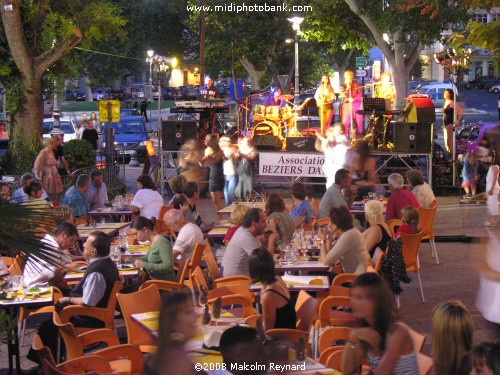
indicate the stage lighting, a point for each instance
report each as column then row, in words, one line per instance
column 441, row 57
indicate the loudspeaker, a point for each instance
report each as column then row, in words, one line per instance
column 413, row 138
column 267, row 142
column 174, row 133
column 300, row 144
column 420, row 109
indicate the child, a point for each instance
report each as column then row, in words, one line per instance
column 410, row 219
column 485, row 359
column 492, row 191
column 469, row 174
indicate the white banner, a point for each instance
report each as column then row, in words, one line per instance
column 291, row 165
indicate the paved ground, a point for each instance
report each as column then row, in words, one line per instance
column 454, row 278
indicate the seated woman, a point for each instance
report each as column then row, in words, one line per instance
column 410, row 219
column 158, row 261
column 349, row 248
column 381, row 340
column 378, row 234
column 420, row 188
column 34, row 192
column 279, row 218
column 235, row 221
column 302, row 211
column 277, row 307
column 147, row 201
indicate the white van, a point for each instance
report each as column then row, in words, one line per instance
column 435, row 90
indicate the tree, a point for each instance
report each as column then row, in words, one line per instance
column 36, row 38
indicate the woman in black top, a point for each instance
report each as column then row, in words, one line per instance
column 277, row 307
column 214, row 158
column 448, row 123
column 378, row 234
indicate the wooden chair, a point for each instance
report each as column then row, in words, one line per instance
column 237, row 300
column 75, row 344
column 198, row 279
column 217, row 280
column 145, row 300
column 411, row 244
column 291, row 336
column 322, row 222
column 198, row 251
column 335, row 360
column 251, row 320
column 328, row 352
column 183, row 276
column 331, row 335
column 230, row 280
column 426, row 221
column 393, row 225
column 25, row 313
column 226, row 290
column 105, row 314
column 168, row 286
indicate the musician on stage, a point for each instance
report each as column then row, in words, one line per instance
column 324, row 100
column 207, row 122
column 379, row 124
column 352, row 97
column 209, row 91
column 274, row 99
column 385, row 89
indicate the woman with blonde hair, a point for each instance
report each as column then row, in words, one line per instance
column 46, row 170
column 235, row 221
column 325, row 97
column 378, row 235
column 410, row 219
column 452, row 337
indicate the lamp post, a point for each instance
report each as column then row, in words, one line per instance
column 150, row 60
column 296, row 21
column 161, row 65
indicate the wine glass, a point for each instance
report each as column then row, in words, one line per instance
column 263, row 196
column 247, row 195
column 203, row 298
column 254, row 200
column 236, row 200
column 216, row 312
column 206, row 318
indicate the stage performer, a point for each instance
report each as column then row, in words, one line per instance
column 449, row 124
column 273, row 99
column 352, row 98
column 324, row 99
column 334, row 146
column 385, row 89
column 207, row 92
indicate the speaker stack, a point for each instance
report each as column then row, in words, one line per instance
column 416, row 134
column 175, row 133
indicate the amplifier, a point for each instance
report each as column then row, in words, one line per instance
column 300, row 144
column 413, row 137
column 176, row 132
column 267, row 142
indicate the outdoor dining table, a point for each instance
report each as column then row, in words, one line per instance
column 226, row 211
column 296, row 283
column 206, row 357
column 127, row 274
column 111, row 211
column 45, row 298
column 135, row 251
column 301, row 266
column 358, row 207
column 217, row 232
column 108, row 228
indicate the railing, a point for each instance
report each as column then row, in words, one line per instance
column 110, row 174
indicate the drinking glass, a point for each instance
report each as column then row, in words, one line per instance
column 115, row 254
column 254, row 200
column 103, row 220
column 247, row 195
column 365, row 198
column 263, row 196
column 216, row 313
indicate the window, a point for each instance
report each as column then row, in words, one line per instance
column 483, row 18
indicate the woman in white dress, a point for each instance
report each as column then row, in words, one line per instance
column 492, row 191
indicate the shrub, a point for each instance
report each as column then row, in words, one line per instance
column 79, row 154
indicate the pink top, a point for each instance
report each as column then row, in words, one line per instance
column 229, row 233
column 399, row 199
column 406, row 229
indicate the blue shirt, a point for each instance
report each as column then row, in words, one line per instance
column 76, row 201
column 303, row 209
column 91, row 194
column 93, row 287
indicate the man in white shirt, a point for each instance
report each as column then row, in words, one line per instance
column 189, row 235
column 19, row 195
column 97, row 195
column 244, row 241
column 38, row 271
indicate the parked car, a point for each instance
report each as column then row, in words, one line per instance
column 69, row 95
column 129, row 112
column 68, row 127
column 130, row 135
column 435, row 90
column 495, row 89
column 481, row 82
column 80, row 95
column 468, row 139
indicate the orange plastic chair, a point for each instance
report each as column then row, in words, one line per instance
column 211, row 263
column 16, row 269
column 251, row 320
column 291, row 336
column 163, row 211
column 426, row 221
column 80, row 221
column 411, row 244
column 25, row 313
column 105, row 314
column 198, row 251
column 393, row 224
column 168, row 286
column 237, row 300
column 323, row 222
column 425, row 364
column 309, row 226
column 145, row 300
column 230, row 280
column 343, row 278
column 115, row 353
column 328, row 352
column 332, row 334
column 306, row 310
column 198, row 279
column 217, row 280
column 227, row 290
column 9, row 261
column 335, row 360
column 329, row 317
column 185, row 273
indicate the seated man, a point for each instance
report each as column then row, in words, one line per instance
column 244, row 241
column 19, row 195
column 420, row 188
column 97, row 195
column 75, row 197
column 334, row 196
column 399, row 197
column 189, row 235
column 39, row 271
column 192, row 215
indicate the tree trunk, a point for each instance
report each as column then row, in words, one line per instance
column 255, row 75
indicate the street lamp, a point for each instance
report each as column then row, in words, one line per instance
column 296, row 21
column 161, row 65
column 150, row 61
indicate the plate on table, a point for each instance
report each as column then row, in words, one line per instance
column 126, row 267
column 81, row 269
column 34, row 290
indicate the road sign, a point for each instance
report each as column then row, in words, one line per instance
column 360, row 73
column 109, row 110
column 361, row 62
